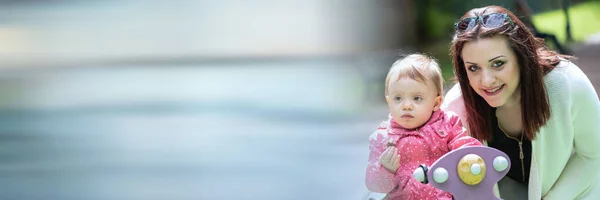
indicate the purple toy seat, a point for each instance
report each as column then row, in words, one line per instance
column 480, row 166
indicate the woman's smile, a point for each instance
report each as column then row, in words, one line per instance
column 493, row 91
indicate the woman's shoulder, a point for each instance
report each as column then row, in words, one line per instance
column 453, row 102
column 454, row 94
column 566, row 70
column 567, row 77
column 452, row 99
column 569, row 90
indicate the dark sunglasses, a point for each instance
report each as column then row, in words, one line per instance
column 492, row 20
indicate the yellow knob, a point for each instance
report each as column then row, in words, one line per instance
column 471, row 169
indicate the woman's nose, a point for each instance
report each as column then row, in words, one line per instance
column 488, row 79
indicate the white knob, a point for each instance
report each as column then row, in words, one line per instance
column 419, row 174
column 500, row 163
column 440, row 175
column 475, row 169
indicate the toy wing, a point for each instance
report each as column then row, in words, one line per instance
column 469, row 173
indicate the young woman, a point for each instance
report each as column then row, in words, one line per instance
column 528, row 101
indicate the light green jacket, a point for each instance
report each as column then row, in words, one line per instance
column 566, row 152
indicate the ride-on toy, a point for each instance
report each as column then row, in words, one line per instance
column 468, row 173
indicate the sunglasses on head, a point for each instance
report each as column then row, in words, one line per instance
column 492, row 20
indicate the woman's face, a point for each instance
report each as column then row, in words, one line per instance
column 492, row 70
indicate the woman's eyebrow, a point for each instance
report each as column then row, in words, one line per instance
column 495, row 58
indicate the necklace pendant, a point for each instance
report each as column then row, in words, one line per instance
column 521, row 155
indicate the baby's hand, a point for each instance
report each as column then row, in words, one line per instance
column 390, row 160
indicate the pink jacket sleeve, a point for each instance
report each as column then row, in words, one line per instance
column 458, row 135
column 378, row 179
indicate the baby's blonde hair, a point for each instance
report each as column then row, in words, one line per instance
column 418, row 67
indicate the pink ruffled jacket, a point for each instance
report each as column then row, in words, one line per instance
column 441, row 134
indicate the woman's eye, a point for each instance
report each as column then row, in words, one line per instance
column 473, row 68
column 498, row 64
column 417, row 99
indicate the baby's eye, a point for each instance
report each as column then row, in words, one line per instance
column 417, row 99
column 398, row 98
column 473, row 68
column 498, row 64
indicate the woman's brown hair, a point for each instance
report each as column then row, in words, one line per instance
column 534, row 60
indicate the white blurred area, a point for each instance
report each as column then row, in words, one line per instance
column 192, row 99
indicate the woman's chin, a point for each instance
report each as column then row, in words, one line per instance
column 494, row 103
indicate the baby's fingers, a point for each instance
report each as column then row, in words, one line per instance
column 384, row 155
column 390, row 155
column 396, row 162
column 394, row 153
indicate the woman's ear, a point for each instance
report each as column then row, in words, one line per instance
column 438, row 103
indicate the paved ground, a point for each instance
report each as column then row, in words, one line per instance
column 268, row 130
column 589, row 61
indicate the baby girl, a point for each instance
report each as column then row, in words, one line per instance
column 417, row 131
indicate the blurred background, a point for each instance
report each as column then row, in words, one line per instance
column 201, row 99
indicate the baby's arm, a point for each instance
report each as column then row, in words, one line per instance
column 378, row 179
column 458, row 134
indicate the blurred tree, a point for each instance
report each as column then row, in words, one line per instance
column 436, row 18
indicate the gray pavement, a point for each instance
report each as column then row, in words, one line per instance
column 266, row 130
column 588, row 59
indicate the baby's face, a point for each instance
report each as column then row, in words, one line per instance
column 412, row 102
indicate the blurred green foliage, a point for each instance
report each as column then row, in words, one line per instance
column 584, row 19
column 436, row 18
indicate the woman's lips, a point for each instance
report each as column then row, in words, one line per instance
column 494, row 91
